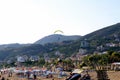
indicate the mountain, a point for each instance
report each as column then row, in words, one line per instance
column 28, row 50
column 104, row 39
column 110, row 32
column 70, row 44
column 56, row 38
column 13, row 45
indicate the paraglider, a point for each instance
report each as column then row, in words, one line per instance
column 58, row 31
column 59, row 35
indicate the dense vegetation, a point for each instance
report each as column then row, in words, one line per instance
column 96, row 60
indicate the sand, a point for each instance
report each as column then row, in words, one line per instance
column 113, row 75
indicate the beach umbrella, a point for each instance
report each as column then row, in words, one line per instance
column 77, row 71
column 60, row 69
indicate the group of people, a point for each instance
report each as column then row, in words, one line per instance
column 33, row 75
column 3, row 78
column 3, row 73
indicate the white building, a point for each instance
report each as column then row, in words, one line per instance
column 82, row 51
column 20, row 59
column 34, row 58
column 84, row 44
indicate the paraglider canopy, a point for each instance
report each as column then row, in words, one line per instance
column 77, row 71
column 58, row 31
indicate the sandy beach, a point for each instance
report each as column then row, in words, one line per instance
column 113, row 75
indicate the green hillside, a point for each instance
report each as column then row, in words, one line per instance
column 100, row 38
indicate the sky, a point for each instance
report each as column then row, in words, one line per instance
column 26, row 21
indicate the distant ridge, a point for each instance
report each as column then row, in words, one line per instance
column 107, row 32
column 13, row 45
column 56, row 38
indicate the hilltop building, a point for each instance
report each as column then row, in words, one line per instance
column 84, row 44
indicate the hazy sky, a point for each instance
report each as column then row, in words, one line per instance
column 26, row 21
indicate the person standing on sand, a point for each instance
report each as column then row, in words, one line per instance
column 28, row 74
column 34, row 76
column 3, row 78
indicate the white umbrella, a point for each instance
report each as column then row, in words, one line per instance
column 77, row 71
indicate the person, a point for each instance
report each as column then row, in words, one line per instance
column 28, row 74
column 74, row 76
column 9, row 74
column 87, row 77
column 34, row 76
column 71, row 74
column 3, row 78
column 86, row 71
